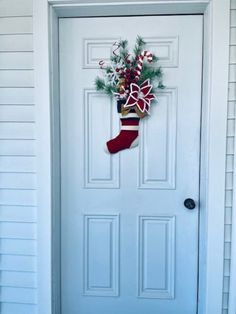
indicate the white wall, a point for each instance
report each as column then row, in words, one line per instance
column 17, row 160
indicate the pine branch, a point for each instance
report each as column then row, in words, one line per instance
column 108, row 69
column 115, row 58
column 124, row 53
column 154, row 58
column 109, row 90
column 123, row 44
column 139, row 46
column 148, row 72
column 99, row 83
column 160, row 85
column 140, row 41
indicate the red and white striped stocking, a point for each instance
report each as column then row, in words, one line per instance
column 128, row 136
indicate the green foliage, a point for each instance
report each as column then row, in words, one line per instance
column 121, row 60
column 109, row 89
column 124, row 53
column 115, row 58
column 123, row 44
column 150, row 72
column 99, row 83
column 154, row 58
column 139, row 46
column 160, row 85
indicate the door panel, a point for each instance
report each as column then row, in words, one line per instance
column 128, row 243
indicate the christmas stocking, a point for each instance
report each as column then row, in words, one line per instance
column 128, row 136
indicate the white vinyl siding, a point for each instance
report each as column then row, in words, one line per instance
column 18, row 248
column 230, row 156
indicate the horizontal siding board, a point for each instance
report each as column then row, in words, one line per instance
column 230, row 145
column 18, row 213
column 230, row 127
column 226, row 284
column 227, row 250
column 16, row 78
column 15, row 130
column 22, row 295
column 229, row 181
column 17, row 164
column 17, row 279
column 17, row 147
column 18, row 197
column 18, row 263
column 13, row 308
column 231, row 109
column 228, row 229
column 232, row 91
column 16, row 60
column 16, row 43
column 17, row 113
column 232, row 73
column 227, row 267
column 228, row 215
column 14, row 230
column 228, row 198
column 17, row 181
column 233, row 36
column 229, row 163
column 16, row 8
column 232, row 58
column 225, row 300
column 233, row 18
column 17, row 247
column 16, row 96
column 16, row 25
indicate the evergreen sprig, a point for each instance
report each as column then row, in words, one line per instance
column 149, row 72
column 139, row 46
column 109, row 89
column 100, row 83
column 120, row 61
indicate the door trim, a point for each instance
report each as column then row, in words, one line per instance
column 214, row 118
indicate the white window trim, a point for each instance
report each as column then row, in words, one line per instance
column 215, row 90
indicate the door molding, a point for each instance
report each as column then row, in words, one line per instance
column 214, row 119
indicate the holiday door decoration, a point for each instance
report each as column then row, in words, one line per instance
column 133, row 79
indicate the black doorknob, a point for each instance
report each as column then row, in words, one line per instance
column 189, row 203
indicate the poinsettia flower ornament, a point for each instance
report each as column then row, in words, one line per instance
column 140, row 96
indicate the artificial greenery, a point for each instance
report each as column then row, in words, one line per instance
column 121, row 71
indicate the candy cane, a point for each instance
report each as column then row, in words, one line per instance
column 139, row 66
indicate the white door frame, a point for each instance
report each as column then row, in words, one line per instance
column 214, row 100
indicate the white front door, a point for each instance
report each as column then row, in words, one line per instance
column 128, row 243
